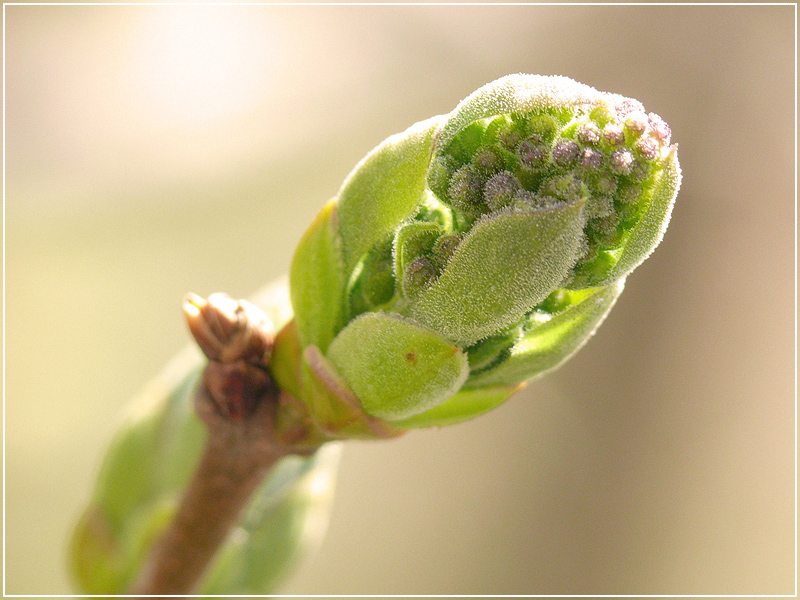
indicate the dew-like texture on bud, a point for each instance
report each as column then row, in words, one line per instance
column 542, row 195
column 588, row 133
column 621, row 161
column 504, row 266
column 418, row 275
column 500, row 189
column 571, row 142
column 396, row 367
column 466, row 190
column 613, row 134
column 565, row 153
column 591, row 159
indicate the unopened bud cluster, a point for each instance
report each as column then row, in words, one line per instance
column 481, row 248
column 606, row 155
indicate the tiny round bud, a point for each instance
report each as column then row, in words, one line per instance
column 606, row 184
column 660, row 129
column 621, row 161
column 605, row 230
column 601, row 115
column 648, row 147
column 591, row 159
column 510, row 137
column 601, row 206
column 630, row 193
column 588, row 133
column 542, row 127
column 636, row 123
column 565, row 153
column 566, row 187
column 613, row 134
column 444, row 248
column 628, row 106
column 640, row 170
column 465, row 189
column 531, row 154
column 420, row 272
column 487, row 160
column 500, row 190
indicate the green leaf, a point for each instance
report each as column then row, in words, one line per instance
column 506, row 265
column 551, row 342
column 317, row 281
column 516, row 94
column 396, row 367
column 649, row 231
column 465, row 405
column 383, row 190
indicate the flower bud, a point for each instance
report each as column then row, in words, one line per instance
column 516, row 219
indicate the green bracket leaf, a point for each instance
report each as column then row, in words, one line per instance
column 649, row 231
column 504, row 267
column 548, row 344
column 317, row 281
column 396, row 367
column 383, row 190
column 465, row 405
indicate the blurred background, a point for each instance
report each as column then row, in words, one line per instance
column 154, row 150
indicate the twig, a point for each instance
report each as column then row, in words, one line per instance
column 238, row 403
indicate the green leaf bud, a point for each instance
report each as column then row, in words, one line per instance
column 396, row 367
column 533, row 200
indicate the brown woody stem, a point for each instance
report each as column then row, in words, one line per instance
column 239, row 404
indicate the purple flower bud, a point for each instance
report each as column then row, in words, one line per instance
column 648, row 147
column 500, row 190
column 660, row 129
column 531, row 154
column 636, row 123
column 621, row 161
column 565, row 153
column 591, row 159
column 613, row 134
column 487, row 160
column 628, row 106
column 588, row 133
column 465, row 189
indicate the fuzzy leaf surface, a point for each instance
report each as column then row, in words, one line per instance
column 505, row 266
column 396, row 367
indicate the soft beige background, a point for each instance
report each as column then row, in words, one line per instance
column 153, row 150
